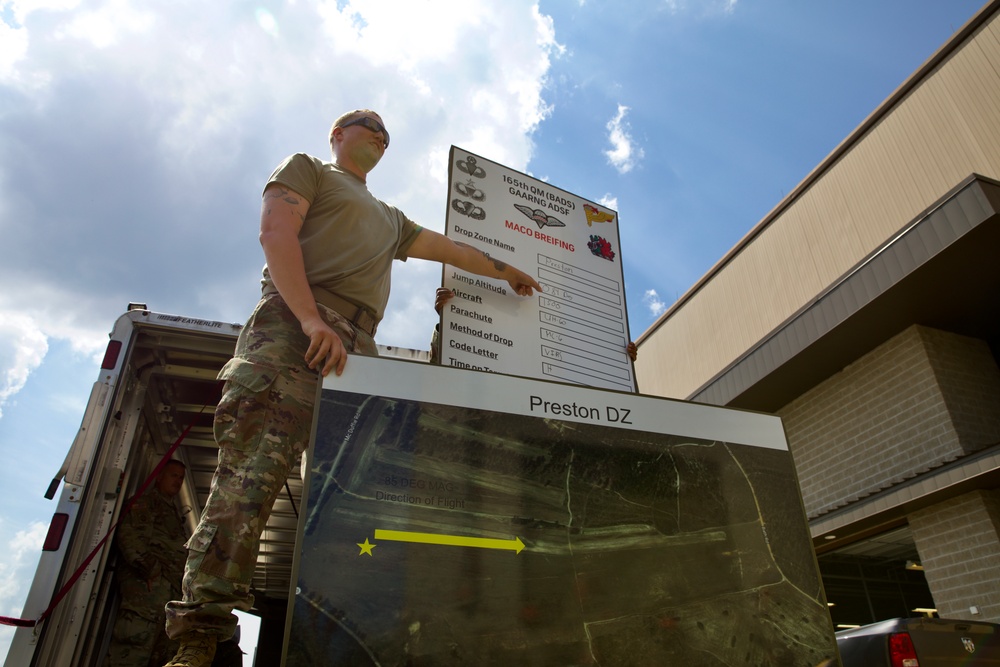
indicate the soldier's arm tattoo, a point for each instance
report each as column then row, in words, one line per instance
column 285, row 195
column 497, row 264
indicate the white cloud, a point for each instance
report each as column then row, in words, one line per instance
column 652, row 301
column 16, row 569
column 32, row 317
column 14, row 35
column 20, row 558
column 135, row 150
column 21, row 9
column 623, row 155
column 105, row 26
column 609, row 201
column 13, row 47
column 22, row 349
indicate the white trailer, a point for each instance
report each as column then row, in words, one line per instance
column 157, row 380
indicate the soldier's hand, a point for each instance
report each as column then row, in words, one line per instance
column 521, row 282
column 324, row 344
column 442, row 296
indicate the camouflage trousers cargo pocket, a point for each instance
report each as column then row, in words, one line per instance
column 222, row 555
column 246, row 401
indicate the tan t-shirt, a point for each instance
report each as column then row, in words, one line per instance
column 349, row 238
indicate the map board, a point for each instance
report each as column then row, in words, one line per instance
column 577, row 329
column 463, row 518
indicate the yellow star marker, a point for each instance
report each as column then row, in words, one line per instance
column 366, row 547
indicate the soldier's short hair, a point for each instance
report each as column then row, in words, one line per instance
column 349, row 116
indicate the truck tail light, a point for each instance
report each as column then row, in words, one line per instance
column 56, row 529
column 901, row 653
column 111, row 354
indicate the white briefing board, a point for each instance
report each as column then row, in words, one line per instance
column 576, row 330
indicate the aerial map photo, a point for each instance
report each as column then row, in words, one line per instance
column 441, row 535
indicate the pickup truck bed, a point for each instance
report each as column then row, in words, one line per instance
column 921, row 642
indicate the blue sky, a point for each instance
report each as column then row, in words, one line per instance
column 135, row 139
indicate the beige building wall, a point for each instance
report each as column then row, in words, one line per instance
column 937, row 129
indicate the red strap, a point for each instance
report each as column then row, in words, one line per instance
column 18, row 622
column 27, row 623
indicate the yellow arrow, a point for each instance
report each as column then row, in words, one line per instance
column 515, row 545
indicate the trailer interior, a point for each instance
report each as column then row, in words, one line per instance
column 165, row 393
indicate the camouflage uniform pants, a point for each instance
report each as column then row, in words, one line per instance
column 262, row 424
column 138, row 641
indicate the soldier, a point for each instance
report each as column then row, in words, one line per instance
column 329, row 246
column 150, row 540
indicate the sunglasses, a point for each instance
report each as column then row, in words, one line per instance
column 373, row 125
